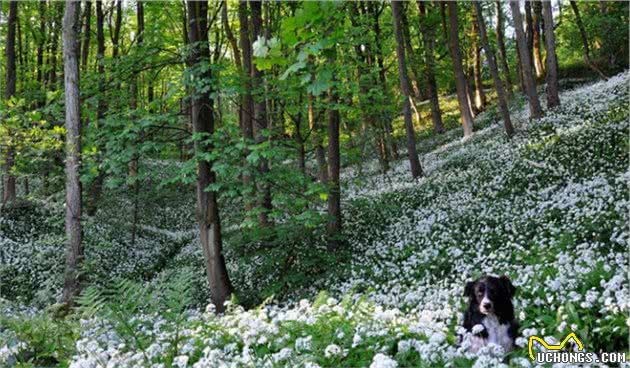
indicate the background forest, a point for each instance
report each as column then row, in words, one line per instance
column 267, row 183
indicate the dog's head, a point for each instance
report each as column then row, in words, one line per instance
column 491, row 295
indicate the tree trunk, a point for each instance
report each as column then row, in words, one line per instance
column 414, row 162
column 116, row 32
column 458, row 70
column 260, row 121
column 529, row 29
column 96, row 186
column 9, row 162
column 536, row 19
column 429, row 39
column 333, row 229
column 480, row 96
column 247, row 102
column 382, row 78
column 535, row 110
column 502, row 52
column 498, row 85
column 551, row 77
column 74, row 247
column 40, row 50
column 52, row 72
column 236, row 54
column 366, row 81
column 133, row 106
column 85, row 50
column 583, row 35
column 203, row 123
column 320, row 154
column 414, row 72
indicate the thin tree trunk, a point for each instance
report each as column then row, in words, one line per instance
column 414, row 72
column 537, row 42
column 74, row 247
column 480, row 96
column 96, row 186
column 385, row 120
column 320, row 154
column 529, row 29
column 85, row 50
column 247, row 102
column 498, row 85
column 458, row 70
column 52, row 72
column 583, row 35
column 10, row 191
column 133, row 106
column 333, row 229
column 116, row 32
column 553, row 99
column 502, row 52
column 230, row 35
column 40, row 48
column 414, row 162
column 535, row 110
column 203, row 123
column 260, row 120
column 429, row 38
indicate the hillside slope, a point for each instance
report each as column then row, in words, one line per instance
column 548, row 208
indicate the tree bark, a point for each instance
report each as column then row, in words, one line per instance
column 74, row 247
column 96, row 186
column 133, row 106
column 458, row 70
column 52, row 72
column 260, row 120
column 236, row 54
column 320, row 153
column 498, row 85
column 429, row 39
column 529, row 29
column 480, row 96
column 536, row 23
column 247, row 102
column 501, row 44
column 85, row 50
column 584, row 37
column 116, row 32
column 9, row 161
column 203, row 123
column 414, row 162
column 553, row 98
column 535, row 110
column 40, row 48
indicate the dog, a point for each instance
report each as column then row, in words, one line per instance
column 490, row 305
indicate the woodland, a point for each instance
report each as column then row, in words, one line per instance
column 308, row 183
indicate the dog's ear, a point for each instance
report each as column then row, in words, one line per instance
column 468, row 290
column 507, row 284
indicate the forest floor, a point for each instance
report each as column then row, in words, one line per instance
column 548, row 208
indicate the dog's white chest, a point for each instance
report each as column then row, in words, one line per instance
column 498, row 333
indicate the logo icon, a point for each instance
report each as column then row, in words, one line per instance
column 560, row 346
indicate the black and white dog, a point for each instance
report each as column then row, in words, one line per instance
column 490, row 306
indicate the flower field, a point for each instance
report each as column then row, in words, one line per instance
column 548, row 208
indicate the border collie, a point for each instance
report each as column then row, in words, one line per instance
column 490, row 305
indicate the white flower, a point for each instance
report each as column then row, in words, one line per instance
column 477, row 329
column 332, row 350
column 383, row 361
